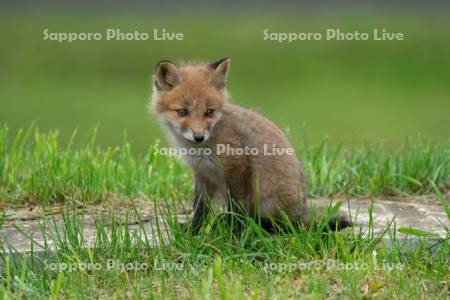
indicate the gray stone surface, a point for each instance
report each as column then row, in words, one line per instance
column 424, row 213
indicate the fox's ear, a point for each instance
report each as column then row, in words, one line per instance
column 166, row 76
column 219, row 73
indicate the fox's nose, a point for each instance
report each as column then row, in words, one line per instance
column 199, row 137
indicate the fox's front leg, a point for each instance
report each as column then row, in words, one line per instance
column 203, row 192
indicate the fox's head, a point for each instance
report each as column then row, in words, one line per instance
column 189, row 99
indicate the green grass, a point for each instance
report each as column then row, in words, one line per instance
column 35, row 168
column 218, row 263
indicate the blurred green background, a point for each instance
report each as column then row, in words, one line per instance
column 350, row 91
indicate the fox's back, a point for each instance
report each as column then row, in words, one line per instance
column 269, row 171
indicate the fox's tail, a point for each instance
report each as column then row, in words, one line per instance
column 339, row 222
column 334, row 223
column 328, row 218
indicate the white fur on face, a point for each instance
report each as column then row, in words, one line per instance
column 189, row 135
column 178, row 130
column 207, row 133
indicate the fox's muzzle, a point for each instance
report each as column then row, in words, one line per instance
column 199, row 137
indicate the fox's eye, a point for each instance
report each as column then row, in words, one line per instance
column 182, row 112
column 209, row 112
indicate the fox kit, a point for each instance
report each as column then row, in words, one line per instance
column 192, row 103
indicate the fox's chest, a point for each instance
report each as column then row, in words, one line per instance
column 204, row 164
column 210, row 168
column 209, row 164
